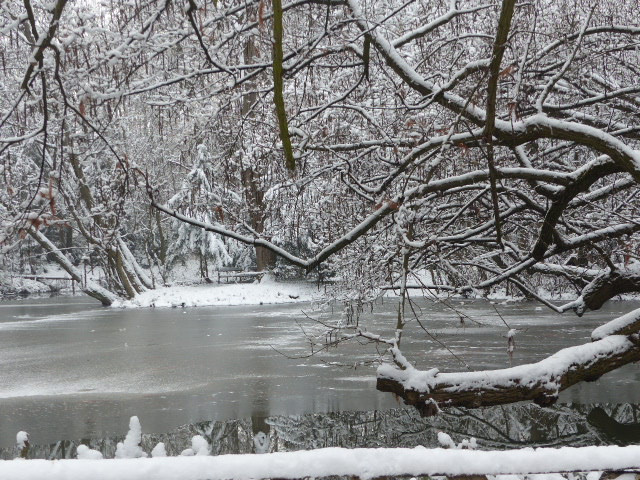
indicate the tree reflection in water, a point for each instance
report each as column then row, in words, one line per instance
column 613, row 431
column 500, row 427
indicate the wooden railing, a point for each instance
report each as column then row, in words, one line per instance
column 47, row 279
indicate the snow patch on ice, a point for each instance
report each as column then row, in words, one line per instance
column 24, row 324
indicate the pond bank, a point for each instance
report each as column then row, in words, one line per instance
column 227, row 294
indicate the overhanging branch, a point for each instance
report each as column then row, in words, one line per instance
column 540, row 382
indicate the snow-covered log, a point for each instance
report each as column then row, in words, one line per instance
column 615, row 344
column 358, row 463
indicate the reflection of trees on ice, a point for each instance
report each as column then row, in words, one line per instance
column 509, row 427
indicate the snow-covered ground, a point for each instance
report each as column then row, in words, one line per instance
column 265, row 292
column 180, row 291
column 360, row 462
column 13, row 284
column 44, row 281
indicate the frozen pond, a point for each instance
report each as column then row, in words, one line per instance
column 71, row 369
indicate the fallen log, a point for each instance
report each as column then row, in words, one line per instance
column 540, row 382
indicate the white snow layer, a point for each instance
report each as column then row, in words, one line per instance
column 365, row 463
column 616, row 325
column 226, row 294
column 159, row 450
column 130, row 448
column 22, row 439
column 86, row 453
column 546, row 372
column 447, row 442
column 261, row 442
column 199, row 446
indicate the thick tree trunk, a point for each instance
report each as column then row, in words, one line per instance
column 130, row 288
column 606, row 286
column 265, row 259
column 132, row 265
column 162, row 251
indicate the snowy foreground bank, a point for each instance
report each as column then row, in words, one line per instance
column 225, row 294
column 363, row 463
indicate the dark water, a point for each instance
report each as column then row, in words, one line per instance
column 73, row 370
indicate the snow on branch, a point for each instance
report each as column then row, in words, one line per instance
column 605, row 286
column 383, row 210
column 540, row 382
column 533, row 128
column 627, row 324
